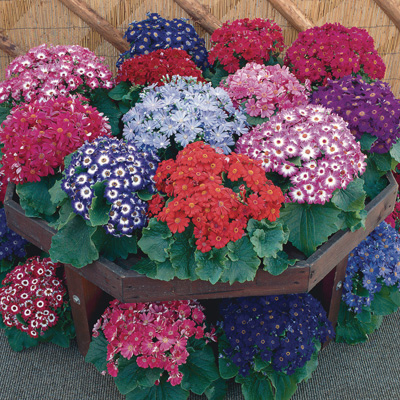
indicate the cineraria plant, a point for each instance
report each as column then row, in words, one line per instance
column 37, row 136
column 332, row 51
column 264, row 90
column 373, row 116
column 372, row 285
column 271, row 342
column 182, row 111
column 12, row 245
column 33, row 301
column 218, row 213
column 241, row 41
column 48, row 71
column 156, row 33
column 311, row 154
column 162, row 347
column 103, row 196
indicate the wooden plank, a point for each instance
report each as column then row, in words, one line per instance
column 293, row 14
column 200, row 14
column 9, row 47
column 391, row 9
column 98, row 23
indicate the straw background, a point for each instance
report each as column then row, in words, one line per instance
column 29, row 23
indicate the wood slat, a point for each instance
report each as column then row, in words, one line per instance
column 9, row 47
column 293, row 14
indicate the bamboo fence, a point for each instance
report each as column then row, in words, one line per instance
column 99, row 25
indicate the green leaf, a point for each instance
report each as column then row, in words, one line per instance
column 276, row 265
column 36, row 195
column 366, row 141
column 243, row 262
column 227, row 368
column 97, row 353
column 364, row 316
column 254, row 388
column 374, row 181
column 156, row 239
column 144, row 195
column 305, row 372
column 182, row 255
column 73, row 244
column 66, row 214
column 19, row 340
column 4, row 111
column 162, row 271
column 260, row 364
column 219, row 74
column 383, row 161
column 57, row 195
column 352, row 198
column 113, row 247
column 253, row 121
column 99, row 211
column 131, row 376
column 395, row 295
column 164, row 391
column 106, row 105
column 382, row 304
column 395, row 151
column 119, row 91
column 217, row 390
column 354, row 220
column 212, row 264
column 310, row 225
column 285, row 386
column 266, row 238
column 199, row 370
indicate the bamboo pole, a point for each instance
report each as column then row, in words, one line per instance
column 200, row 14
column 293, row 14
column 9, row 47
column 391, row 9
column 98, row 23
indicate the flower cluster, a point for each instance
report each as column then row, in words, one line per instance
column 156, row 333
column 245, row 40
column 309, row 145
column 48, row 71
column 38, row 135
column 366, row 107
column 150, row 68
column 374, row 263
column 11, row 244
column 156, row 33
column 280, row 330
column 332, row 51
column 182, row 111
column 195, row 182
column 264, row 90
column 32, row 297
column 122, row 171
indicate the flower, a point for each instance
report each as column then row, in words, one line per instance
column 180, row 112
column 374, row 263
column 244, row 40
column 149, row 68
column 366, row 107
column 264, row 90
column 155, row 334
column 311, row 147
column 49, row 71
column 332, row 51
column 32, row 297
column 38, row 135
column 280, row 330
column 156, row 33
column 197, row 183
column 121, row 171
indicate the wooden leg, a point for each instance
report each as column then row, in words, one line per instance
column 87, row 303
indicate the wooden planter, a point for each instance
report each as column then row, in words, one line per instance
column 88, row 286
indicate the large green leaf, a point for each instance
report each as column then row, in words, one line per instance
column 156, row 239
column 276, row 265
column 4, row 111
column 19, row 340
column 130, row 375
column 227, row 368
column 199, row 371
column 243, row 262
column 256, row 388
column 305, row 372
column 395, row 151
column 366, row 141
column 163, row 391
column 119, row 91
column 285, row 386
column 182, row 255
column 382, row 304
column 219, row 74
column 267, row 238
column 163, row 271
column 73, row 244
column 374, row 181
column 106, row 105
column 36, row 195
column 99, row 211
column 57, row 195
column 217, row 390
column 66, row 214
column 255, row 120
column 97, row 353
column 310, row 225
column 353, row 220
column 212, row 264
column 352, row 198
column 382, row 161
